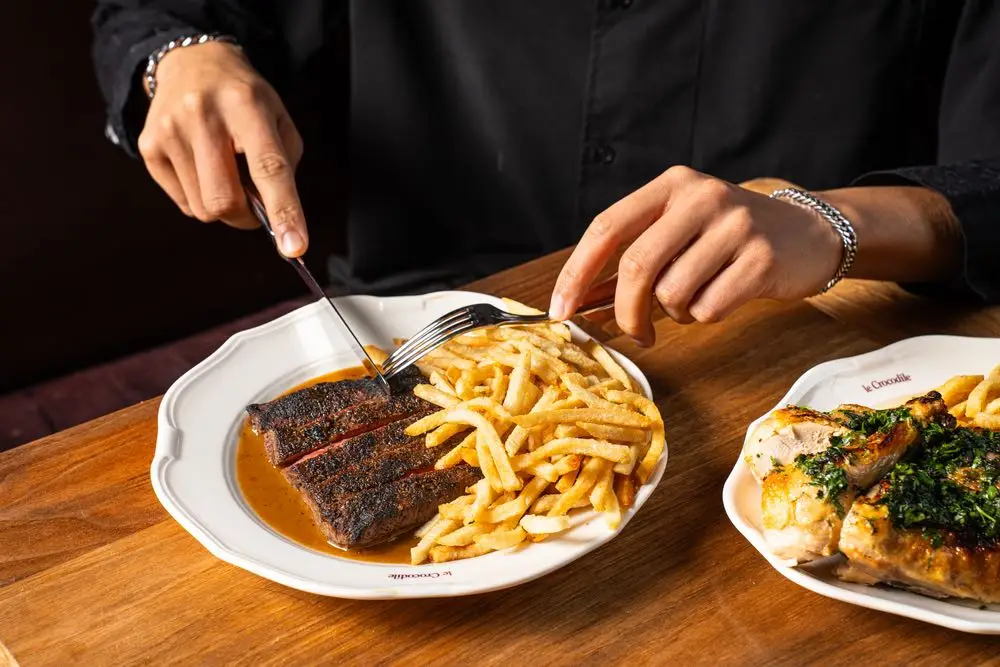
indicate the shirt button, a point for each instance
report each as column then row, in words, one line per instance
column 604, row 154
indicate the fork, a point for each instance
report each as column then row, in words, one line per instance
column 465, row 319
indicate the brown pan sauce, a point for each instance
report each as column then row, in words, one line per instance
column 280, row 505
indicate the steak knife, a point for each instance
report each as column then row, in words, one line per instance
column 257, row 206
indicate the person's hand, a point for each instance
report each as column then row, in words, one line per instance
column 701, row 247
column 210, row 105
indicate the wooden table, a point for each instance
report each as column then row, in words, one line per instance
column 94, row 572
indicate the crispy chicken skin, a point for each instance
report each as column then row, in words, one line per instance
column 801, row 524
column 877, row 552
column 798, row 524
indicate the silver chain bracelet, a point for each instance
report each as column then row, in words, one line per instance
column 836, row 219
column 178, row 43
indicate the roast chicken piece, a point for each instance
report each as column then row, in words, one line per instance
column 785, row 434
column 878, row 552
column 804, row 500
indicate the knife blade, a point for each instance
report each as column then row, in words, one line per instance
column 257, row 206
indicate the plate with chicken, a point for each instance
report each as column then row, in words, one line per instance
column 876, row 481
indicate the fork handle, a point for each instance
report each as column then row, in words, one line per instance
column 600, row 297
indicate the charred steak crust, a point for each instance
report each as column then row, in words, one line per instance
column 319, row 467
column 286, row 444
column 309, row 405
column 375, row 515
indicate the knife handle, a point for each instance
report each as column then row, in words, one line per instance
column 599, row 297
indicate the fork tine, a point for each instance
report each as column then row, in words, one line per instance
column 416, row 352
column 432, row 328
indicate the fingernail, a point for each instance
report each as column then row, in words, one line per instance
column 642, row 342
column 292, row 243
column 557, row 309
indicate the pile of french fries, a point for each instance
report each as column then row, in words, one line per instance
column 553, row 426
column 974, row 400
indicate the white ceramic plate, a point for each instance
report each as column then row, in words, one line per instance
column 884, row 377
column 200, row 417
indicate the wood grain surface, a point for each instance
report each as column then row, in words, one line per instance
column 92, row 570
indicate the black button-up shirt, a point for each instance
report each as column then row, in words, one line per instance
column 487, row 133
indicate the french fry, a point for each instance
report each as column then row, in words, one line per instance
column 517, row 437
column 545, row 503
column 958, row 388
column 442, row 434
column 994, row 374
column 465, row 535
column 487, row 464
column 589, row 474
column 556, row 364
column 500, row 383
column 501, row 539
column 569, row 431
column 487, row 433
column 958, row 411
column 514, row 507
column 614, row 433
column 441, row 383
column 986, row 420
column 617, row 417
column 604, row 358
column 424, row 529
column 541, row 342
column 993, row 407
column 612, row 512
column 602, row 489
column 536, row 524
column 377, row 354
column 625, row 490
column 657, row 442
column 583, row 446
column 470, row 456
column 432, row 394
column 443, row 554
column 457, row 509
column 566, row 482
column 983, row 393
column 418, row 554
column 538, row 367
column 520, row 378
column 452, row 458
column 518, row 308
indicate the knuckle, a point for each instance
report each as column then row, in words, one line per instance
column 740, row 222
column 221, row 205
column 706, row 312
column 238, row 93
column 193, row 102
column 202, row 214
column 287, row 215
column 714, row 190
column 601, row 226
column 634, row 265
column 680, row 172
column 668, row 293
column 166, row 125
column 270, row 165
column 148, row 144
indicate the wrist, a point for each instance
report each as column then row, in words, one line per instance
column 904, row 234
column 171, row 53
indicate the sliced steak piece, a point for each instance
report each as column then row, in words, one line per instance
column 366, row 518
column 286, row 444
column 319, row 467
column 309, row 405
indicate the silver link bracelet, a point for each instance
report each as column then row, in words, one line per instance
column 178, row 43
column 836, row 219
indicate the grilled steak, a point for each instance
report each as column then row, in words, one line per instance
column 365, row 518
column 285, row 444
column 320, row 467
column 343, row 446
column 309, row 405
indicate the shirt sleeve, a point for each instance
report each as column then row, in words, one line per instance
column 126, row 32
column 967, row 172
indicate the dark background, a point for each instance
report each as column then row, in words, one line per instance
column 96, row 264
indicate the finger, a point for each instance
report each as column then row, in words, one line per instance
column 290, row 139
column 178, row 151
column 733, row 287
column 215, row 163
column 617, row 225
column 645, row 260
column 163, row 174
column 273, row 173
column 692, row 270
